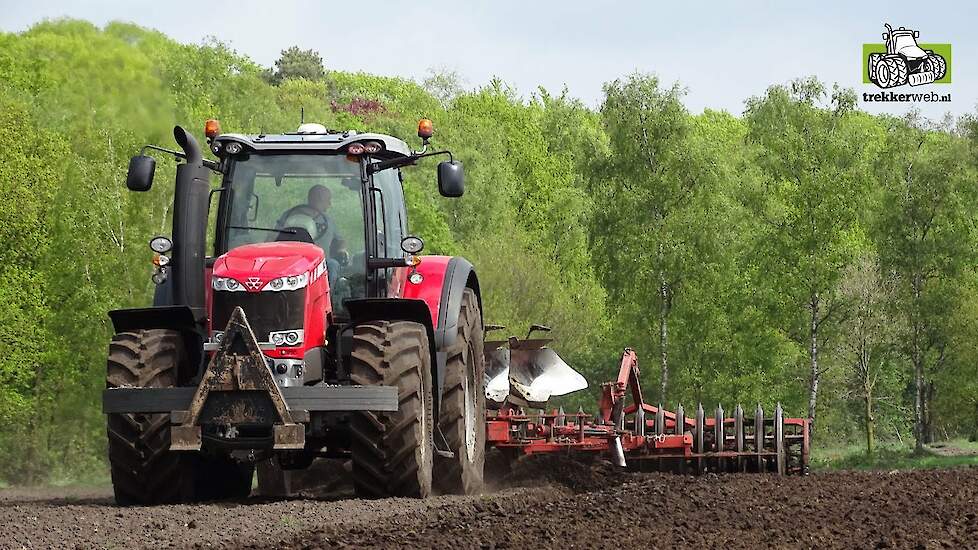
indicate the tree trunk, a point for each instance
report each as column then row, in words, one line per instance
column 813, row 356
column 930, row 426
column 870, row 421
column 663, row 334
column 974, row 434
column 917, row 359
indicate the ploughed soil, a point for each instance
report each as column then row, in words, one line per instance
column 546, row 503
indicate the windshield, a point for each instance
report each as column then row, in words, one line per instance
column 905, row 40
column 311, row 198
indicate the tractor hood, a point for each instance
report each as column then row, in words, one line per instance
column 253, row 265
column 906, row 45
column 912, row 52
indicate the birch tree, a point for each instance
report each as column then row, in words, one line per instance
column 867, row 340
column 645, row 203
column 814, row 154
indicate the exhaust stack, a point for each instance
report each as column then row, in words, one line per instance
column 190, row 209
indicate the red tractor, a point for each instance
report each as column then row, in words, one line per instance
column 313, row 329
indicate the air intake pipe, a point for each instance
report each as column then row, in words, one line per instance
column 190, row 206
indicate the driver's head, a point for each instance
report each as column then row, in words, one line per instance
column 320, row 198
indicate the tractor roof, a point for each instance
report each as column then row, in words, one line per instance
column 326, row 141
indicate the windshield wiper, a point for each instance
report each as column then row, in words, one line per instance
column 271, row 229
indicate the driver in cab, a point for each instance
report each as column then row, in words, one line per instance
column 312, row 219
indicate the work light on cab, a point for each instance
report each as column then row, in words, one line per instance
column 426, row 129
column 212, row 128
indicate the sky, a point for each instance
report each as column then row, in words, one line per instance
column 722, row 54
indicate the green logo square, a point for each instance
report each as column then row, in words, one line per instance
column 944, row 50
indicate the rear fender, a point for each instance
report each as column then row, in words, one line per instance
column 444, row 280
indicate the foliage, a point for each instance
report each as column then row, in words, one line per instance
column 296, row 63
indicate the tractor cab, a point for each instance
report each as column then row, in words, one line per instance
column 903, row 42
column 313, row 188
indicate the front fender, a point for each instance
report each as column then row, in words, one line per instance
column 444, row 280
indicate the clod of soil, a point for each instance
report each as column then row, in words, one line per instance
column 578, row 473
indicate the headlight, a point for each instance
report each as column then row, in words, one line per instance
column 161, row 244
column 227, row 284
column 286, row 337
column 233, row 148
column 292, row 282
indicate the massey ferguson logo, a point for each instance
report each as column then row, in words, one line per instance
column 253, row 283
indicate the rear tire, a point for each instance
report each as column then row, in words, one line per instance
column 393, row 451
column 938, row 65
column 462, row 417
column 874, row 59
column 144, row 470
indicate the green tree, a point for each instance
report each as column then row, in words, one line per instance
column 814, row 160
column 296, row 63
column 646, row 195
column 867, row 340
column 926, row 236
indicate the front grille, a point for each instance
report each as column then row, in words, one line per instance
column 266, row 311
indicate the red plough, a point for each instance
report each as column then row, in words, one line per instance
column 648, row 437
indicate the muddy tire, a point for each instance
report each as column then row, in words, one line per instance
column 463, row 406
column 144, row 470
column 393, row 452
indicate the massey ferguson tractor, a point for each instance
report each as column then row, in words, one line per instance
column 904, row 61
column 316, row 330
column 312, row 329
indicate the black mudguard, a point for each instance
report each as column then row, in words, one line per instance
column 190, row 322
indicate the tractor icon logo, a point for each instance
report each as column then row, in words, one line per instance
column 254, row 283
column 905, row 61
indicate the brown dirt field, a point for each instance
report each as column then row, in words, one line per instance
column 577, row 505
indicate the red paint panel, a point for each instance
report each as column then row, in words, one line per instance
column 267, row 261
column 432, row 268
column 497, row 431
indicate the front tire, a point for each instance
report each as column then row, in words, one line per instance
column 898, row 71
column 144, row 470
column 393, row 451
column 462, row 417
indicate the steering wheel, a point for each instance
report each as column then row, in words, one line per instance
column 317, row 217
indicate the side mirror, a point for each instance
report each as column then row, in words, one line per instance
column 916, row 34
column 886, row 36
column 141, row 170
column 451, row 179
